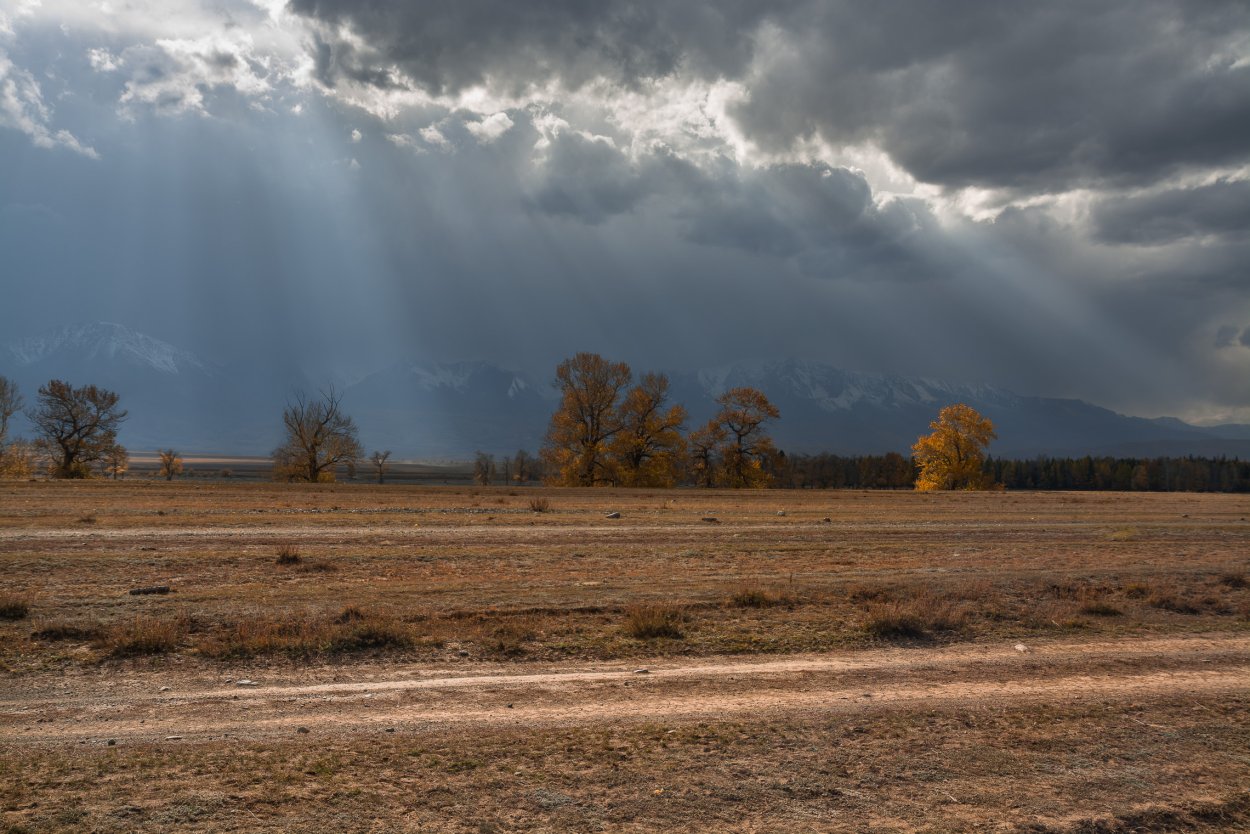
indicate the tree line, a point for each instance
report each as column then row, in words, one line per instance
column 609, row 430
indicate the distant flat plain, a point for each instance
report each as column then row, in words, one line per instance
column 449, row 658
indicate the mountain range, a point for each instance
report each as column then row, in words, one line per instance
column 434, row 411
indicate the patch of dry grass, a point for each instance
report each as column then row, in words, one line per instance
column 648, row 622
column 757, row 596
column 288, row 554
column 351, row 631
column 14, row 607
column 144, row 636
column 924, row 615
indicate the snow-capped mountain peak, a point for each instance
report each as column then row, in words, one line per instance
column 96, row 341
column 833, row 389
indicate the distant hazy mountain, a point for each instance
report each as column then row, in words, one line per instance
column 429, row 410
column 825, row 408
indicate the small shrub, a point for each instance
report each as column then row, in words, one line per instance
column 288, row 554
column 508, row 639
column 360, row 635
column 317, row 567
column 350, row 614
column 145, row 636
column 645, row 622
column 869, row 593
column 14, row 607
column 1170, row 602
column 1234, row 580
column 891, row 622
column 915, row 618
column 1100, row 608
column 753, row 596
column 540, row 505
column 65, row 631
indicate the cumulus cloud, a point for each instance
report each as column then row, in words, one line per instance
column 491, row 128
column 22, row 108
column 176, row 75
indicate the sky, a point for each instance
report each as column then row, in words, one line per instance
column 1049, row 197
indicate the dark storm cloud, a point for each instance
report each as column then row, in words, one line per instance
column 1036, row 97
column 1033, row 97
column 823, row 218
column 1220, row 209
column 447, row 47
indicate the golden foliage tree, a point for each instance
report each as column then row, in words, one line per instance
column 952, row 456
column 586, row 421
column 649, row 448
column 319, row 437
column 116, row 461
column 703, row 443
column 170, row 463
column 745, row 450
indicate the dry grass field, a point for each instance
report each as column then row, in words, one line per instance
column 363, row 658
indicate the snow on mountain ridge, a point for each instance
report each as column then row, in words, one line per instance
column 98, row 340
column 833, row 389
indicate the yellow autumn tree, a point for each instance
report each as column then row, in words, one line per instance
column 952, row 456
column 745, row 450
column 577, row 448
column 649, row 448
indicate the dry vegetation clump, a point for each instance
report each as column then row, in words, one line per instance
column 56, row 631
column 145, row 636
column 288, row 554
column 1100, row 608
column 540, row 505
column 870, row 593
column 647, row 622
column 914, row 619
column 1094, row 603
column 755, row 596
column 1166, row 601
column 508, row 638
column 14, row 607
column 1236, row 581
column 317, row 567
column 351, row 630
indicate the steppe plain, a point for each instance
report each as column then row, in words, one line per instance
column 512, row 659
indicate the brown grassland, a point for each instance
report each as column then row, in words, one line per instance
column 398, row 658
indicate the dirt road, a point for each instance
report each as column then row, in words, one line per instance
column 160, row 705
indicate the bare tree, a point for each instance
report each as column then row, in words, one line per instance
column 78, row 426
column 522, row 467
column 14, row 454
column 484, row 468
column 10, row 404
column 171, row 463
column 379, row 461
column 319, row 437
